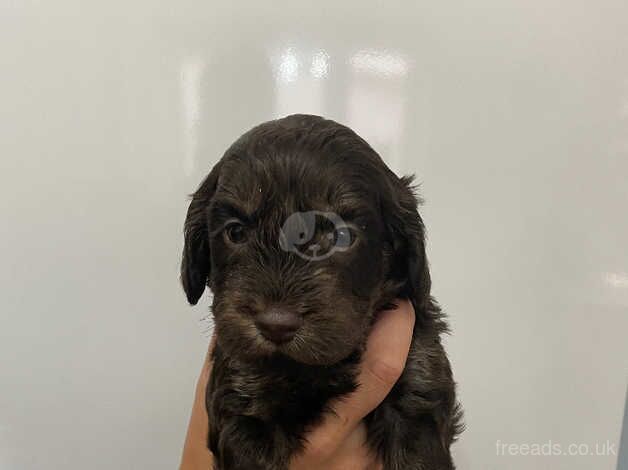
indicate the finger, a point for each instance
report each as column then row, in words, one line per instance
column 195, row 452
column 353, row 453
column 383, row 362
column 385, row 357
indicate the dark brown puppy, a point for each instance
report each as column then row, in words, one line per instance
column 303, row 233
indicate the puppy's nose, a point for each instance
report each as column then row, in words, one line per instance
column 278, row 325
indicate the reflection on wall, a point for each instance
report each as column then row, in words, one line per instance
column 191, row 77
column 375, row 106
column 299, row 81
column 617, row 279
column 375, row 86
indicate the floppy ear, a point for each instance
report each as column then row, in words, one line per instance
column 196, row 261
column 408, row 237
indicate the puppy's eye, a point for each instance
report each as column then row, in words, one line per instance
column 343, row 236
column 236, row 233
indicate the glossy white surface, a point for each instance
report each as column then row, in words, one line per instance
column 513, row 114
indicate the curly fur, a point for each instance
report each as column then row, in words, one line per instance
column 263, row 397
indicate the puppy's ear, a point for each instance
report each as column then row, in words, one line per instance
column 408, row 238
column 196, row 262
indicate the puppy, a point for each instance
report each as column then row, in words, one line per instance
column 303, row 234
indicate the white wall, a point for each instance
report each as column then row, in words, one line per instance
column 513, row 114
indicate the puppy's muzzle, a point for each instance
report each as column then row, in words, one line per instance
column 278, row 325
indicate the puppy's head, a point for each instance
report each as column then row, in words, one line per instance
column 302, row 233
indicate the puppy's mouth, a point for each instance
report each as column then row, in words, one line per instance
column 287, row 344
column 306, row 337
column 299, row 345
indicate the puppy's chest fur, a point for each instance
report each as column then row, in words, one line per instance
column 279, row 390
column 269, row 404
column 279, row 394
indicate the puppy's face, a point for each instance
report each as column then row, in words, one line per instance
column 298, row 255
column 292, row 236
